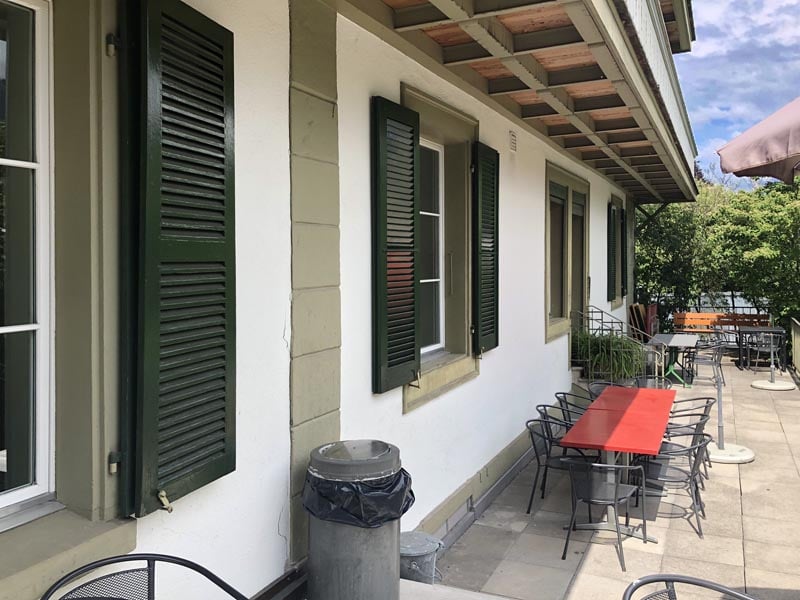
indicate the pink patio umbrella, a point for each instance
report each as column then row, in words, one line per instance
column 770, row 148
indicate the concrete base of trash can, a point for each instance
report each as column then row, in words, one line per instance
column 353, row 563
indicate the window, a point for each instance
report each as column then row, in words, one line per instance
column 435, row 206
column 566, row 244
column 431, row 240
column 25, row 332
column 617, row 252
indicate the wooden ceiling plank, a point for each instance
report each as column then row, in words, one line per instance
column 427, row 15
column 523, row 43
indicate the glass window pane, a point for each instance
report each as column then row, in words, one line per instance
column 16, row 410
column 429, row 180
column 16, row 246
column 558, row 192
column 429, row 247
column 16, row 82
column 429, row 314
column 556, row 224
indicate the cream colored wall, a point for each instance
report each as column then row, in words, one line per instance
column 445, row 442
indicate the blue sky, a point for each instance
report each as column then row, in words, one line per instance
column 744, row 65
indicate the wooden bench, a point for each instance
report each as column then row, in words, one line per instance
column 709, row 322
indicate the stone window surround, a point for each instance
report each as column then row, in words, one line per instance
column 556, row 328
column 444, row 370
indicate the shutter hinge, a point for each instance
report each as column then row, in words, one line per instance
column 165, row 504
column 114, row 460
column 472, row 168
column 416, row 382
column 113, row 43
column 472, row 329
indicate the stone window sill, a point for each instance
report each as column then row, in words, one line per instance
column 440, row 372
column 39, row 552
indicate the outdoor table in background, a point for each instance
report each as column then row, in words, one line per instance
column 674, row 342
column 622, row 420
column 749, row 330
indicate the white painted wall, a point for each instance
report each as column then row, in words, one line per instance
column 238, row 525
column 448, row 440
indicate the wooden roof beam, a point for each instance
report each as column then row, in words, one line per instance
column 522, row 43
column 437, row 13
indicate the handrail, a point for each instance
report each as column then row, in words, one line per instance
column 602, row 358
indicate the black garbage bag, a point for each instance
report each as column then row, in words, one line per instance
column 359, row 503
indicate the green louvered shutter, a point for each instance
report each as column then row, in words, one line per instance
column 623, row 225
column 611, row 252
column 186, row 366
column 485, row 249
column 395, row 215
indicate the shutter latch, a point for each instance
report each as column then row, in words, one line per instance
column 113, row 43
column 162, row 496
column 114, row 460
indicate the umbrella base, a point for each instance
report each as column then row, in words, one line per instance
column 732, row 454
column 773, row 386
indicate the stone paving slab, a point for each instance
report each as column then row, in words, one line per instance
column 751, row 534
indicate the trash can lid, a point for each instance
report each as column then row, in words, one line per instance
column 418, row 543
column 355, row 460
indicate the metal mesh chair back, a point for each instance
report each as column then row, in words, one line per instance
column 702, row 404
column 653, row 382
column 129, row 584
column 596, row 387
column 691, row 585
column 133, row 584
column 572, row 406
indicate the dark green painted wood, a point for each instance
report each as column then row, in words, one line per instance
column 395, row 251
column 611, row 252
column 185, row 429
column 485, row 247
column 623, row 228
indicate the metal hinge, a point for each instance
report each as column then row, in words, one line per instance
column 114, row 460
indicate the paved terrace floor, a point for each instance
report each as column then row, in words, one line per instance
column 752, row 530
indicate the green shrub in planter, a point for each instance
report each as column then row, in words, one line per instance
column 605, row 356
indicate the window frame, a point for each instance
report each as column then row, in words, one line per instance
column 43, row 486
column 560, row 326
column 621, row 238
column 440, row 149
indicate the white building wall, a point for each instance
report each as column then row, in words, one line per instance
column 446, row 441
column 238, row 525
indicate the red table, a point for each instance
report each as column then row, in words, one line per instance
column 626, row 420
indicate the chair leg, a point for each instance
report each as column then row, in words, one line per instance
column 533, row 489
column 569, row 529
column 696, row 509
column 619, row 540
column 544, row 479
column 644, row 513
column 589, row 510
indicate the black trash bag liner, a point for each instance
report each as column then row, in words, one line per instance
column 365, row 504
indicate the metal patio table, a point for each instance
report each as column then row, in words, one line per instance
column 675, row 343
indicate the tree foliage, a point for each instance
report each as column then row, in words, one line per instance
column 729, row 241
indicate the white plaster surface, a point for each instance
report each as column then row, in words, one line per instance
column 238, row 525
column 446, row 441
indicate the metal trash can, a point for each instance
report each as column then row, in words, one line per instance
column 355, row 492
column 418, row 552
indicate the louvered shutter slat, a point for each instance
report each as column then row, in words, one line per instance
column 395, row 212
column 486, row 255
column 185, row 426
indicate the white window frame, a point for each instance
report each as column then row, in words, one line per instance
column 440, row 216
column 42, row 167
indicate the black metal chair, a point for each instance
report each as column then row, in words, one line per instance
column 598, row 484
column 596, row 387
column 705, row 355
column 666, row 468
column 545, row 433
column 767, row 343
column 576, row 405
column 671, row 593
column 137, row 583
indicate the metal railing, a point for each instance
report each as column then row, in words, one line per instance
column 609, row 349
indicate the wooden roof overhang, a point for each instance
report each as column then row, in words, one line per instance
column 547, row 62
